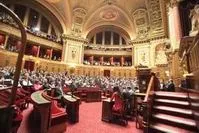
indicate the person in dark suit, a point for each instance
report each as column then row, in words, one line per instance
column 171, row 86
column 156, row 82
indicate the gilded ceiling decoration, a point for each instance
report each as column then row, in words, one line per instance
column 109, row 14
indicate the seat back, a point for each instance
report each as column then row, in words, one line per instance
column 6, row 118
column 58, row 115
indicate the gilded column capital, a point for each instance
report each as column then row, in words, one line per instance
column 174, row 3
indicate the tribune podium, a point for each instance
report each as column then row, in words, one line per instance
column 107, row 110
column 41, row 106
column 72, row 107
column 143, row 76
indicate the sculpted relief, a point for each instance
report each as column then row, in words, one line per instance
column 78, row 20
column 73, row 54
column 109, row 14
column 194, row 15
column 140, row 18
column 143, row 56
column 160, row 56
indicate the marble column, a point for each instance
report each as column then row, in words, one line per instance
column 91, row 58
column 82, row 54
column 94, row 41
column 174, row 24
column 63, row 59
column 120, row 41
column 111, row 38
column 103, row 38
column 51, row 53
column 25, row 21
column 101, row 60
column 122, row 61
column 39, row 22
column 49, row 29
column 38, row 51
column 6, row 41
column 111, row 60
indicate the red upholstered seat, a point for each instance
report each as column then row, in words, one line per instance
column 19, row 101
column 56, row 111
column 58, row 118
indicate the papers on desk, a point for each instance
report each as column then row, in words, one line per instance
column 108, row 100
column 69, row 98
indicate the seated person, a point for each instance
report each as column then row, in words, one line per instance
column 27, row 84
column 26, row 81
column 117, row 96
column 37, row 86
column 129, row 96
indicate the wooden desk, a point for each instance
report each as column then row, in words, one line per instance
column 89, row 94
column 42, row 106
column 72, row 107
column 140, row 94
column 107, row 110
column 93, row 96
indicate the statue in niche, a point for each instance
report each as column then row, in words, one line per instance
column 194, row 15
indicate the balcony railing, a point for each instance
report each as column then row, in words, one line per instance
column 107, row 52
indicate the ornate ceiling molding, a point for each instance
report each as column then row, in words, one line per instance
column 113, row 25
column 72, row 38
column 56, row 12
column 109, row 13
column 53, row 1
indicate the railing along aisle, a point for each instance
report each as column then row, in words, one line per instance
column 7, row 112
column 147, row 104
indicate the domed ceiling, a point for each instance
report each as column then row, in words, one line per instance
column 82, row 16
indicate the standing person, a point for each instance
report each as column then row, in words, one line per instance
column 156, row 82
column 162, row 85
column 171, row 86
column 118, row 103
column 130, row 94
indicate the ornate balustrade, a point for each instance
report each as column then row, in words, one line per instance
column 32, row 38
column 107, row 52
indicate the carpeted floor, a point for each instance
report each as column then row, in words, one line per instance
column 89, row 122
